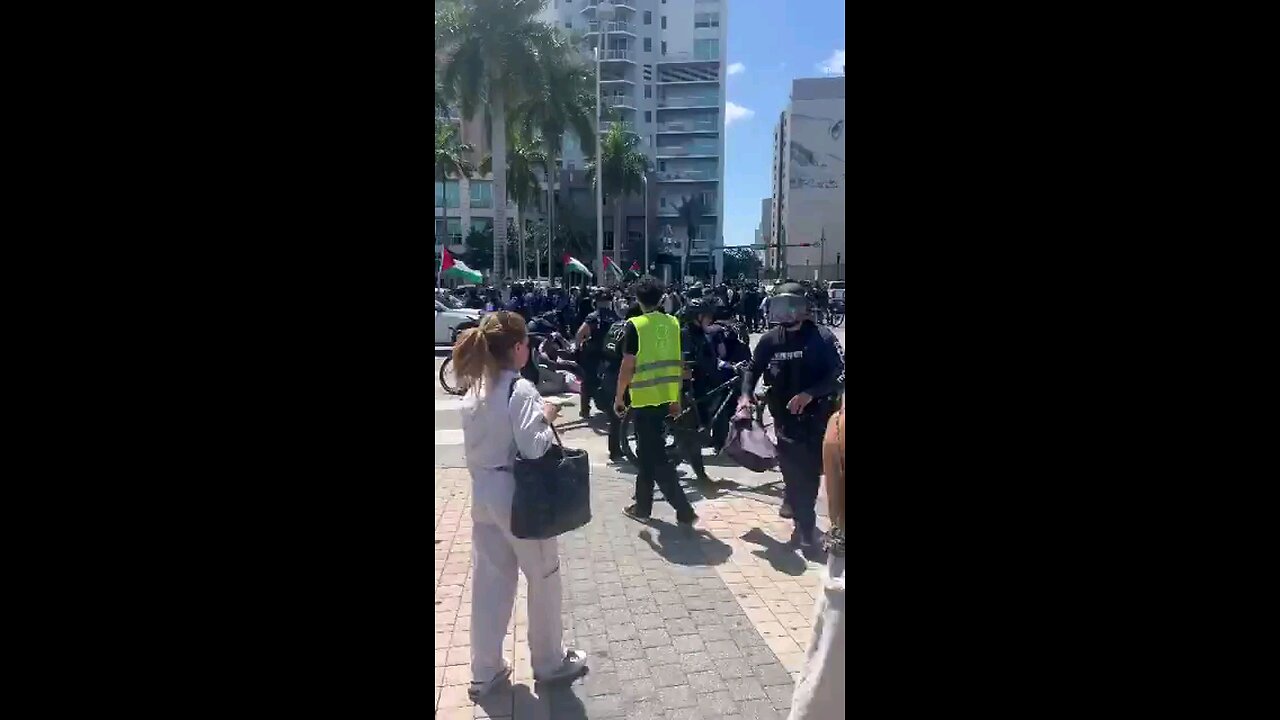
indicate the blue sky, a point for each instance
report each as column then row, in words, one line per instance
column 773, row 42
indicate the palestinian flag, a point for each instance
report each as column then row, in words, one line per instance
column 458, row 268
column 633, row 272
column 611, row 266
column 572, row 263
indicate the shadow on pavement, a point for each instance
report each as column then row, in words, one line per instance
column 685, row 546
column 782, row 556
column 561, row 700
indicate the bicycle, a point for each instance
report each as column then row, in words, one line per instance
column 671, row 426
column 835, row 316
column 449, row 381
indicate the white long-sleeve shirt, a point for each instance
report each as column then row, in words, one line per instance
column 493, row 429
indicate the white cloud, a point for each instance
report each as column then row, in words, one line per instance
column 734, row 111
column 833, row 65
column 735, row 68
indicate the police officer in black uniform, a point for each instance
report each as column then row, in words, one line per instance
column 610, row 362
column 700, row 357
column 803, row 366
column 590, row 340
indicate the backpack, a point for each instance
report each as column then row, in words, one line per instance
column 613, row 341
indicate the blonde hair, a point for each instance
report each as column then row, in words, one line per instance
column 833, row 467
column 483, row 351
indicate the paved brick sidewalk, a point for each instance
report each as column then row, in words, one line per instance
column 708, row 624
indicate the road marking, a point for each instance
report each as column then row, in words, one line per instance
column 452, row 402
column 449, row 437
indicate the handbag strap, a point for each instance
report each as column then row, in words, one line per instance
column 510, row 391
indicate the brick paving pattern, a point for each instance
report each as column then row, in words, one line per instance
column 710, row 623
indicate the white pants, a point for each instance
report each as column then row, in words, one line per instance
column 819, row 693
column 495, row 556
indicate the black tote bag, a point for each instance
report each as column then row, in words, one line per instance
column 553, row 492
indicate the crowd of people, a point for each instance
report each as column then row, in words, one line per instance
column 648, row 349
column 746, row 302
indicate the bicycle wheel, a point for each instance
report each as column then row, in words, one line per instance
column 448, row 380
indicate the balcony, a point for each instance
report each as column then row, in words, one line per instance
column 619, row 55
column 605, row 80
column 620, row 26
column 688, row 151
column 689, row 126
column 687, row 57
column 689, row 101
column 686, row 176
column 618, row 101
column 674, row 211
column 591, row 6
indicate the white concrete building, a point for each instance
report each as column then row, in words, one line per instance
column 663, row 75
column 808, row 181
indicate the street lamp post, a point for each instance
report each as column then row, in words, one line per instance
column 645, row 179
column 603, row 11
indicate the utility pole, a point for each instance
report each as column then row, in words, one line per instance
column 822, row 252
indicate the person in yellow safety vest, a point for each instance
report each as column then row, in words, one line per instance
column 652, row 370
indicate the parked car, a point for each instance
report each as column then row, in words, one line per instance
column 451, row 317
column 835, row 290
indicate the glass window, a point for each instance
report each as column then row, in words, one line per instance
column 664, row 47
column 648, row 44
column 648, row 116
column 608, row 240
column 450, row 194
column 664, row 22
column 481, row 194
column 648, row 89
column 708, row 49
column 568, row 24
column 483, row 225
column 648, row 17
column 706, row 232
column 706, row 20
column 455, row 228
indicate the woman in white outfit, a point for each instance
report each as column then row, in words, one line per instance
column 819, row 693
column 487, row 361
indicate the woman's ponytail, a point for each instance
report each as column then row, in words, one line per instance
column 483, row 351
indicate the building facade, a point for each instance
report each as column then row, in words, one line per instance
column 808, row 182
column 468, row 203
column 662, row 73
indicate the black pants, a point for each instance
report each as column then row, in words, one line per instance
column 800, row 459
column 590, row 384
column 655, row 466
column 605, row 391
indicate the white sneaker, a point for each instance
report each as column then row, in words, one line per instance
column 480, row 689
column 574, row 664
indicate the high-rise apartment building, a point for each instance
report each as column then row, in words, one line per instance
column 808, row 181
column 662, row 71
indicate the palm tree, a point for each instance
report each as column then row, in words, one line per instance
column 451, row 159
column 523, row 160
column 492, row 52
column 690, row 214
column 564, row 102
column 624, row 168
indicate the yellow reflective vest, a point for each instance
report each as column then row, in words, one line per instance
column 658, row 365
